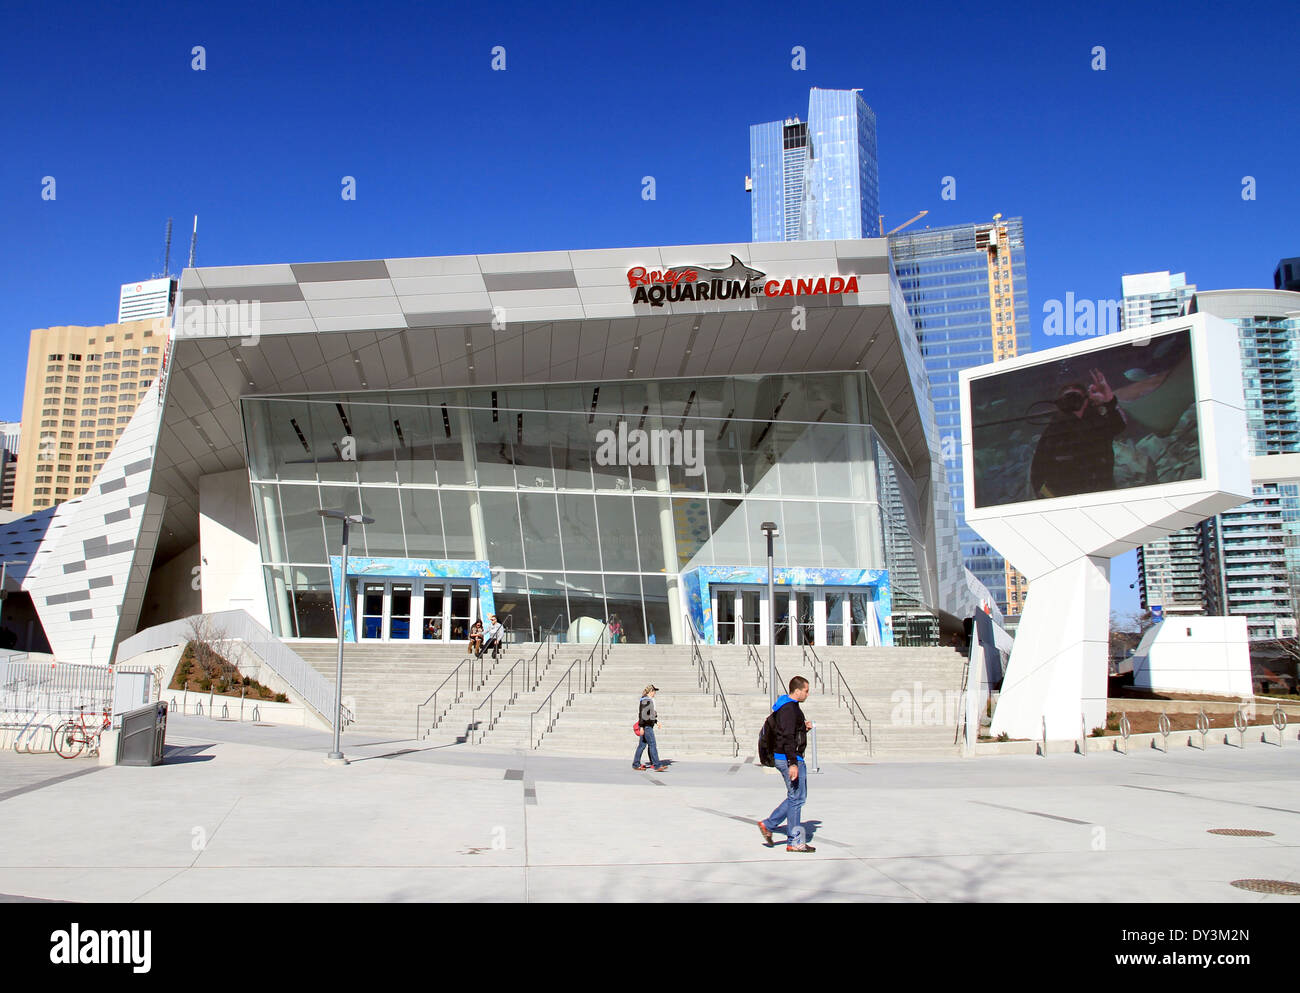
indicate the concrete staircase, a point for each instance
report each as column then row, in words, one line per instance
column 600, row 722
column 388, row 682
column 910, row 695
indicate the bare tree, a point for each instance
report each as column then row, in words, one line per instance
column 208, row 638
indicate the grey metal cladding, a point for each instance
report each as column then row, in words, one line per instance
column 121, row 546
column 72, row 597
column 557, row 279
column 117, row 515
column 449, row 318
column 99, row 582
column 81, row 615
column 138, row 499
column 269, row 293
column 73, row 567
column 135, row 467
column 94, row 547
column 872, row 265
column 327, row 272
column 115, row 484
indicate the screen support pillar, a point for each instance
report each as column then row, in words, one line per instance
column 1058, row 671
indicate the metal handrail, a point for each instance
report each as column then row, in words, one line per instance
column 522, row 667
column 963, row 720
column 457, row 692
column 710, row 682
column 843, row 696
column 592, row 673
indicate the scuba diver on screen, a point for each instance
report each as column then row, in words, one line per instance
column 1075, row 452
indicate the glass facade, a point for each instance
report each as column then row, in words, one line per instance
column 586, row 500
column 819, row 179
column 960, row 285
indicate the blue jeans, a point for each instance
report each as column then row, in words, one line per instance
column 647, row 740
column 791, row 808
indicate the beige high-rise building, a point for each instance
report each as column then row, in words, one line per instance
column 83, row 384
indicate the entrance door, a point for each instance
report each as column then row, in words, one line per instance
column 836, row 604
column 416, row 609
column 726, row 609
column 435, row 624
column 399, row 612
column 461, row 597
column 372, row 611
column 751, row 616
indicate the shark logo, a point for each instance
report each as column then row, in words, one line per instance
column 656, row 287
column 735, row 270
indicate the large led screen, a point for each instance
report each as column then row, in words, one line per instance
column 1108, row 419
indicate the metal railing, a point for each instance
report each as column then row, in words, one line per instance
column 760, row 668
column 455, row 677
column 963, row 720
column 35, row 697
column 523, row 677
column 311, row 687
column 832, row 680
column 709, row 682
column 580, row 677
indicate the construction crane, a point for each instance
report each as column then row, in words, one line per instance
column 901, row 226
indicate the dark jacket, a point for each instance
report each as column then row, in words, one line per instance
column 1076, row 454
column 791, row 729
column 646, row 712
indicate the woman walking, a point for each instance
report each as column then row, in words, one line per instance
column 647, row 718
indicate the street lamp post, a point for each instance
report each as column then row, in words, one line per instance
column 336, row 756
column 772, row 531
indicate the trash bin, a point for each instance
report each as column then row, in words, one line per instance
column 142, row 735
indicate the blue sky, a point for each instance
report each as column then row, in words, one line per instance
column 1133, row 168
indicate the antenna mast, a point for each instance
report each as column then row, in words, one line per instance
column 167, row 250
column 194, row 240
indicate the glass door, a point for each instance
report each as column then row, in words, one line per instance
column 836, row 604
column 751, row 616
column 725, row 615
column 461, row 597
column 434, row 597
column 804, row 618
column 371, row 611
column 399, row 612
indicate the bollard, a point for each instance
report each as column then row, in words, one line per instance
column 1083, row 729
column 812, row 734
column 1279, row 723
column 1203, row 725
column 1044, row 752
column 1163, row 724
column 1239, row 722
column 243, row 691
column 1125, row 729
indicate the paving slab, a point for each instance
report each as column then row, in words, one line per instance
column 244, row 813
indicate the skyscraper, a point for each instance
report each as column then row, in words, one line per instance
column 966, row 292
column 83, row 384
column 1245, row 561
column 1172, row 571
column 1258, row 544
column 1154, row 296
column 1287, row 275
column 818, row 179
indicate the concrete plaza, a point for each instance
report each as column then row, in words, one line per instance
column 253, row 813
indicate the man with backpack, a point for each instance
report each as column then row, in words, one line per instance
column 781, row 744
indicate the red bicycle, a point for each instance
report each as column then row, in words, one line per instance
column 74, row 735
